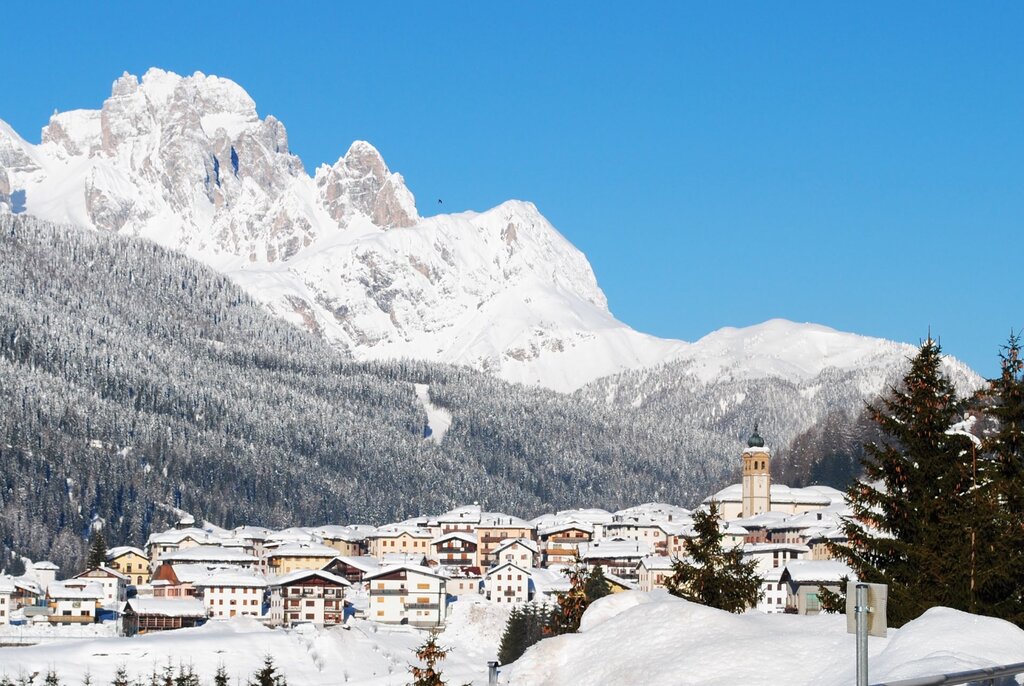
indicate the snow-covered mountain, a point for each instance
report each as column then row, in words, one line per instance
column 187, row 162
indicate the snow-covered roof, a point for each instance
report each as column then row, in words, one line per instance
column 208, row 553
column 392, row 559
column 416, row 569
column 303, row 574
column 820, row 571
column 233, row 578
column 460, row 535
column 497, row 520
column 363, row 563
column 168, row 607
column 506, row 565
column 303, row 550
column 466, row 513
column 176, row 536
column 656, row 563
column 614, row 548
column 334, row 532
column 252, row 533
column 75, row 590
column 45, row 564
column 525, row 542
column 565, row 526
column 655, row 511
column 189, row 573
column 396, row 530
column 7, row 584
column 106, row 571
column 550, row 581
column 121, row 550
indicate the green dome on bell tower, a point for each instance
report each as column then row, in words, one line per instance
column 755, row 440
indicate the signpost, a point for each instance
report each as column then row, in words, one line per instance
column 865, row 615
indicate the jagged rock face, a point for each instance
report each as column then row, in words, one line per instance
column 361, row 182
column 188, row 162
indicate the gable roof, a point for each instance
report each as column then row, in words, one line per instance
column 303, row 574
column 417, row 569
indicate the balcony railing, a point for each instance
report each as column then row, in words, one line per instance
column 455, row 550
column 389, row 591
column 421, row 606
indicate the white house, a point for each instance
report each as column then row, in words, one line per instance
column 308, row 596
column 652, row 571
column 508, row 583
column 113, row 583
column 43, row 572
column 520, row 551
column 454, row 549
column 231, row 593
column 408, row 594
column 74, row 601
column 210, row 555
column 6, row 603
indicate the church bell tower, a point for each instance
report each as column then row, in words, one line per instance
column 757, row 476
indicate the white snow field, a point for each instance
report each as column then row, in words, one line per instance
column 656, row 639
column 367, row 654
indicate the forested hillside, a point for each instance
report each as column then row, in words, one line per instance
column 132, row 377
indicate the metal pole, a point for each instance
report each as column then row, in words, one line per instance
column 492, row 673
column 861, row 610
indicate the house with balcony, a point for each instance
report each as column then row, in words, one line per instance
column 508, row 583
column 209, row 555
column 308, row 596
column 232, row 593
column 160, row 544
column 409, row 540
column 75, row 601
column 408, row 594
column 560, row 542
column 146, row 615
column 113, row 583
column 354, row 569
column 454, row 549
column 616, row 556
column 496, row 527
column 348, row 541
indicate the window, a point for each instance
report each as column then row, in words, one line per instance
column 813, row 604
column 380, row 613
column 422, row 586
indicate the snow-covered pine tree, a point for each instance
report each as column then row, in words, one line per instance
column 914, row 511
column 268, row 675
column 712, row 574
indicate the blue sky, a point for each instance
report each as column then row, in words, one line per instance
column 859, row 165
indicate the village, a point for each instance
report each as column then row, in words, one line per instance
column 412, row 572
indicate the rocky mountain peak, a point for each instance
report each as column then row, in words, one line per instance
column 360, row 182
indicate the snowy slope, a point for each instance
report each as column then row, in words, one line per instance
column 188, row 163
column 660, row 640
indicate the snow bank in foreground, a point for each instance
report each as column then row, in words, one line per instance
column 658, row 639
column 367, row 654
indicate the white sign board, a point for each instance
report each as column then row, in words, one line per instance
column 877, row 596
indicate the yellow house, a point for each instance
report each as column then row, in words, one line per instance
column 294, row 557
column 132, row 562
column 400, row 539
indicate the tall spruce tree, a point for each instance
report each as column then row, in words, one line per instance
column 97, row 556
column 526, row 625
column 914, row 513
column 713, row 574
column 1003, row 594
column 268, row 675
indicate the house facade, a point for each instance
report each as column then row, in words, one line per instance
column 310, row 596
column 230, row 594
column 508, row 583
column 408, row 594
column 132, row 562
